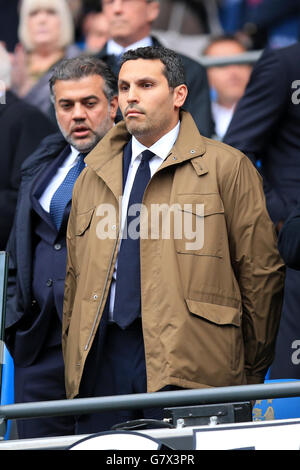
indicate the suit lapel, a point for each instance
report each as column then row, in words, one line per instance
column 41, row 182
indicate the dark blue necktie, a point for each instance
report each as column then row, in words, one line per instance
column 127, row 306
column 63, row 194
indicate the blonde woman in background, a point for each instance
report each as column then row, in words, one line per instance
column 46, row 33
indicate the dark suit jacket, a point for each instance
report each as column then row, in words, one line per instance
column 198, row 100
column 266, row 126
column 37, row 259
column 289, row 240
column 22, row 128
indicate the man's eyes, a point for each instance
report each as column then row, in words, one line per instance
column 141, row 85
column 88, row 104
column 123, row 87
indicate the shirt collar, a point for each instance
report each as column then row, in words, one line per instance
column 161, row 148
column 72, row 158
column 113, row 48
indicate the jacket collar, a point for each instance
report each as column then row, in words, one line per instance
column 106, row 158
column 48, row 149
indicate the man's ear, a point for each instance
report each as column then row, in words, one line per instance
column 180, row 94
column 114, row 103
column 153, row 10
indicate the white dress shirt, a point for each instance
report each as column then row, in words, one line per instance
column 161, row 149
column 222, row 117
column 58, row 178
column 113, row 48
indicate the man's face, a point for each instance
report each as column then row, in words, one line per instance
column 229, row 81
column 129, row 20
column 83, row 112
column 149, row 107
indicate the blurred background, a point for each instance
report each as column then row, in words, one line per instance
column 185, row 25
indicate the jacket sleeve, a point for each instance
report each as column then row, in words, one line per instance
column 289, row 240
column 257, row 264
column 257, row 116
column 70, row 280
column 14, row 307
column 11, row 296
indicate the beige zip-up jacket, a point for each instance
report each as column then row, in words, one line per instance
column 210, row 306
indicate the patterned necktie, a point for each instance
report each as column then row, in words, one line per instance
column 127, row 305
column 63, row 194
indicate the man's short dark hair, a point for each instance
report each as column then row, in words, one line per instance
column 84, row 66
column 174, row 70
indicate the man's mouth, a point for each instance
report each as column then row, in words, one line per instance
column 80, row 131
column 133, row 113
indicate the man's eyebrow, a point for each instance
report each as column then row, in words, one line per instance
column 139, row 80
column 90, row 97
column 85, row 98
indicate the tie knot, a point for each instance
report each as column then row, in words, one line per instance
column 147, row 155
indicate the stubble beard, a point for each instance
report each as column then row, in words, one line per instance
column 87, row 146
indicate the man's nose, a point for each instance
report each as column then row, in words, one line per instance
column 132, row 95
column 79, row 112
column 117, row 6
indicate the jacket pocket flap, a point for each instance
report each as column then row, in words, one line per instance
column 200, row 204
column 219, row 314
column 83, row 221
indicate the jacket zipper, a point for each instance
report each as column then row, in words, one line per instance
column 102, row 297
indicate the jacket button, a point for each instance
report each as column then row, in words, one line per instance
column 57, row 246
column 49, row 283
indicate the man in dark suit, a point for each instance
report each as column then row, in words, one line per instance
column 22, row 128
column 266, row 128
column 84, row 96
column 289, row 240
column 129, row 28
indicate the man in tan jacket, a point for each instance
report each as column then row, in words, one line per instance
column 177, row 284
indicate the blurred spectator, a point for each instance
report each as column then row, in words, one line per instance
column 22, row 128
column 46, row 32
column 265, row 127
column 95, row 31
column 130, row 23
column 274, row 23
column 227, row 83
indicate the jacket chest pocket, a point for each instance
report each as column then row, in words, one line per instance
column 83, row 223
column 202, row 223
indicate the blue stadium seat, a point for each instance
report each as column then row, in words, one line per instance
column 277, row 408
